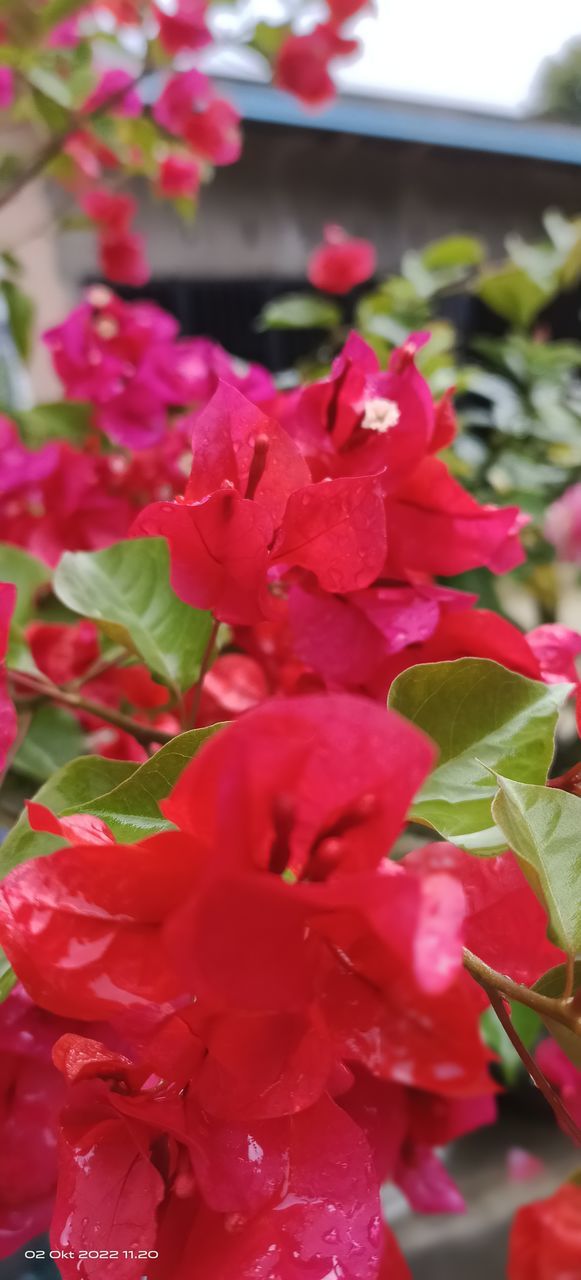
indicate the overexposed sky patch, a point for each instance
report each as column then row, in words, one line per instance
column 478, row 53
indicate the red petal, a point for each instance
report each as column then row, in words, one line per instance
column 218, row 550
column 336, row 529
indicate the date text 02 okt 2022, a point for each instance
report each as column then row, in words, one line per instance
column 83, row 1254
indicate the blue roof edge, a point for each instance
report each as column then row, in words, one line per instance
column 427, row 124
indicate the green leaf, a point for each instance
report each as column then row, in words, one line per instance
column 20, row 316
column 8, row 977
column 126, row 590
column 482, row 718
column 528, row 1026
column 542, row 826
column 68, row 789
column 63, row 420
column 54, row 737
column 553, row 984
column 512, row 294
column 267, row 39
column 50, row 85
column 28, row 576
column 453, row 251
column 131, row 809
column 299, row 311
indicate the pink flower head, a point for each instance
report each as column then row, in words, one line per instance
column 563, row 524
column 182, row 94
column 179, row 176
column 342, row 262
column 214, row 133
column 122, row 357
column 6, row 88
column 111, row 210
column 302, row 64
column 249, row 512
column 545, row 1242
column 203, row 364
column 8, row 721
column 122, row 258
column 184, row 27
column 114, row 94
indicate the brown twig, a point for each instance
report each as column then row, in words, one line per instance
column 537, row 1076
column 144, row 733
column 546, row 1006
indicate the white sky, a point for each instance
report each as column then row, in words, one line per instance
column 482, row 53
column 479, row 52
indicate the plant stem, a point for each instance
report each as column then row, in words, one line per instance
column 206, row 660
column 537, row 1076
column 144, row 733
column 545, row 1006
column 55, row 144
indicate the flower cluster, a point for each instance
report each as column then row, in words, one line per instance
column 284, row 1018
column 115, row 130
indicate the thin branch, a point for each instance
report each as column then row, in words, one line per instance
column 55, row 144
column 144, row 733
column 545, row 1006
column 537, row 1076
column 206, row 660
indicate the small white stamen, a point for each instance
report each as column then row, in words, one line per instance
column 380, row 414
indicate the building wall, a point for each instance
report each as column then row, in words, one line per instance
column 261, row 217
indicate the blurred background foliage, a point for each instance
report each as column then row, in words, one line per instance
column 494, row 327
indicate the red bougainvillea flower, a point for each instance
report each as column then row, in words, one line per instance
column 122, row 258
column 6, row 88
column 123, row 357
column 342, row 261
column 563, row 524
column 440, row 529
column 22, row 468
column 545, row 1242
column 115, row 91
column 31, row 1095
column 249, row 510
column 179, row 176
column 104, row 903
column 8, row 723
column 203, row 364
column 184, row 26
column 556, row 648
column 113, row 211
column 342, row 10
column 183, row 93
column 189, row 108
column 292, row 816
column 496, row 893
column 565, row 1076
column 403, row 1126
column 237, row 1197
column 362, row 420
column 302, row 64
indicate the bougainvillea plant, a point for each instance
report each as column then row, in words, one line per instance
column 236, row 1003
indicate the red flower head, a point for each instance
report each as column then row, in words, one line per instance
column 8, row 722
column 184, row 27
column 302, row 64
column 179, row 176
column 249, row 513
column 545, row 1242
column 342, row 262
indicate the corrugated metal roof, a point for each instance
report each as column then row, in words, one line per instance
column 429, row 124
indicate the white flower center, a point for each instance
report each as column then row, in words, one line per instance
column 380, row 414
